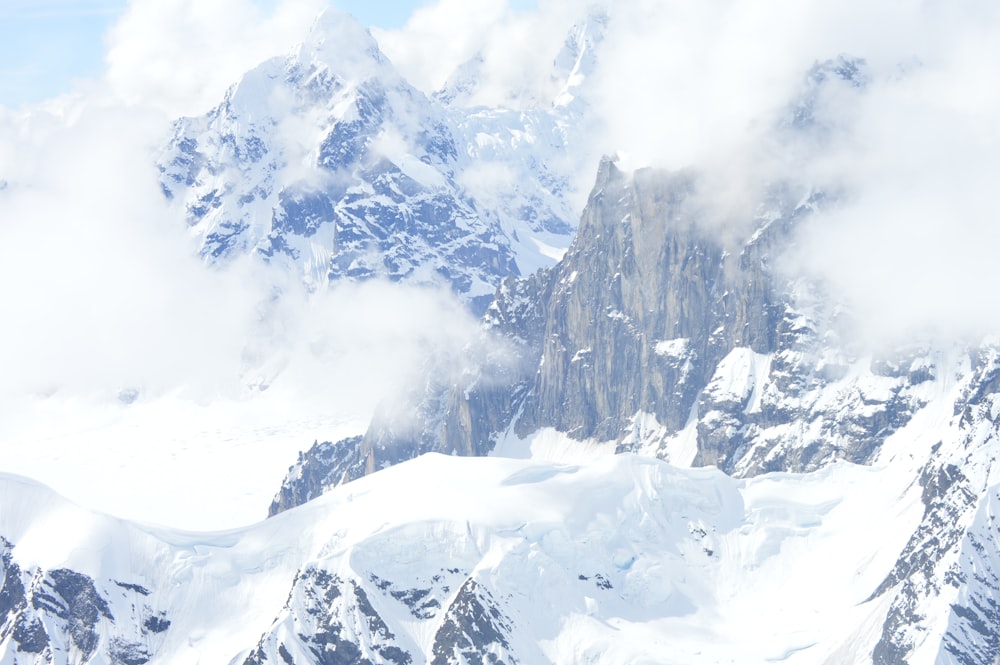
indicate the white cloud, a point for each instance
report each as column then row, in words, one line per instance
column 438, row 38
column 364, row 343
column 912, row 247
column 107, row 291
column 103, row 291
column 181, row 55
column 703, row 85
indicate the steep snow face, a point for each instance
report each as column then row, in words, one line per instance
column 944, row 581
column 443, row 560
column 327, row 162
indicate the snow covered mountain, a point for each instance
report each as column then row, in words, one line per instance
column 681, row 452
column 662, row 335
column 458, row 560
column 659, row 336
column 327, row 162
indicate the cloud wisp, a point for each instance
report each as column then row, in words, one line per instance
column 97, row 251
column 707, row 85
column 107, row 292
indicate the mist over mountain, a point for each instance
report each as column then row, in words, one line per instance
column 330, row 162
column 634, row 332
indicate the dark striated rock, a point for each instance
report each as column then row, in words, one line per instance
column 12, row 595
column 123, row 652
column 334, row 621
column 953, row 544
column 138, row 588
column 652, row 311
column 16, row 619
column 474, row 630
column 156, row 624
column 44, row 613
column 324, row 465
column 947, row 497
column 973, row 635
column 73, row 598
column 424, row 601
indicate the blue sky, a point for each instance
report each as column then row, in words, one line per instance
column 46, row 44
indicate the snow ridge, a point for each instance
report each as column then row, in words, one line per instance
column 489, row 559
column 330, row 164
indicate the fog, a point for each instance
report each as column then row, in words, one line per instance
column 106, row 299
column 132, row 368
column 911, row 157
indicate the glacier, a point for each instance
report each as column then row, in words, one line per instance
column 625, row 559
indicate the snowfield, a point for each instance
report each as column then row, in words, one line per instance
column 171, row 460
column 624, row 559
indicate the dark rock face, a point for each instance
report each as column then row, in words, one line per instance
column 19, row 623
column 422, row 602
column 474, row 631
column 653, row 312
column 72, row 597
column 641, row 272
column 953, row 550
column 48, row 616
column 332, row 619
column 324, row 465
column 946, row 497
column 334, row 624
column 973, row 635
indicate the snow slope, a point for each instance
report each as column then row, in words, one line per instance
column 623, row 560
column 168, row 460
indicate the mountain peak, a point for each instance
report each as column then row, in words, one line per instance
column 577, row 59
column 341, row 42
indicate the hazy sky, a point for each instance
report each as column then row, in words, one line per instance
column 105, row 291
column 46, row 44
column 678, row 84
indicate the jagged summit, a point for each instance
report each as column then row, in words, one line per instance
column 827, row 86
column 327, row 162
column 342, row 43
column 562, row 81
column 578, row 58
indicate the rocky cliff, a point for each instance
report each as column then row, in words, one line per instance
column 658, row 335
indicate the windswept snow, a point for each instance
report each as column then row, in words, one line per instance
column 169, row 460
column 621, row 559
